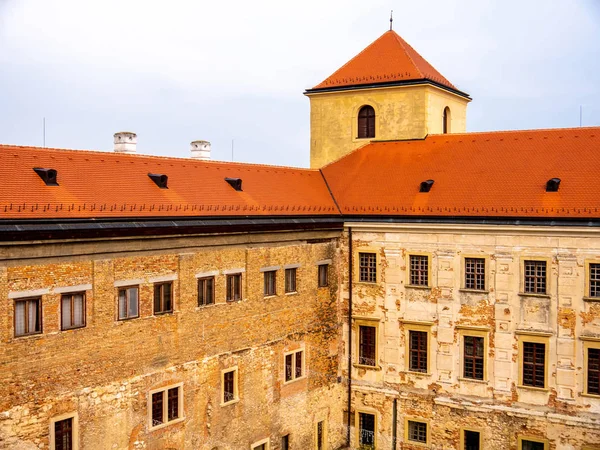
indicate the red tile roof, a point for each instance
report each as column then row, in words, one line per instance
column 501, row 174
column 103, row 184
column 387, row 59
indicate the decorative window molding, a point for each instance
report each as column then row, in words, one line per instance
column 127, row 283
column 71, row 289
column 233, row 271
column 212, row 273
column 269, row 269
column 25, row 294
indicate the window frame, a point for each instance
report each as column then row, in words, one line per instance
column 236, row 391
column 520, row 440
column 160, row 285
column 294, row 284
column 126, row 289
column 357, row 433
column 84, row 312
column 486, row 266
column 524, row 337
column 266, row 442
column 321, row 284
column 204, row 288
column 40, row 315
column 165, row 406
column 371, row 272
column 463, row 440
column 365, row 322
column 548, row 277
column 370, row 120
column 479, row 332
column 294, row 378
column 588, row 343
column 409, row 271
column 270, row 283
column 74, row 416
column 232, row 276
column 588, row 286
column 406, row 431
column 446, row 120
column 423, row 327
column 323, row 434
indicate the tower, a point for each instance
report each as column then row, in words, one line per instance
column 386, row 92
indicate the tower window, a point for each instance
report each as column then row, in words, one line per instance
column 366, row 122
column 446, row 121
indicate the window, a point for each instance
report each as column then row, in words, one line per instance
column 417, row 351
column 535, row 277
column 270, row 285
column 28, row 316
column 285, row 442
column 206, row 291
column 366, row 431
column 63, row 434
column 294, row 365
column 290, row 280
column 473, row 357
column 594, row 274
column 592, row 367
column 534, row 364
column 128, row 302
column 366, row 122
column 72, row 311
column 323, row 275
column 419, row 270
column 446, row 121
column 321, row 436
column 367, row 340
column 367, row 266
column 416, row 431
column 470, row 440
column 532, row 444
column 475, row 273
column 166, row 406
column 261, row 445
column 229, row 378
column 163, row 301
column 234, row 287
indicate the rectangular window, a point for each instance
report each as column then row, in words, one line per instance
column 285, row 442
column 475, row 273
column 367, row 265
column 234, row 287
column 290, row 280
column 270, row 284
column 534, row 364
column 128, row 302
column 166, row 406
column 63, row 434
column 594, row 280
column 527, row 444
column 72, row 311
column 323, row 275
column 260, row 447
column 417, row 351
column 366, row 431
column 206, row 291
column 593, row 371
column 320, row 435
column 472, row 440
column 294, row 365
column 535, row 277
column 473, row 357
column 417, row 431
column 367, row 346
column 229, row 386
column 419, row 270
column 163, row 298
column 28, row 316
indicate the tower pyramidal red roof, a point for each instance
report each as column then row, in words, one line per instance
column 389, row 59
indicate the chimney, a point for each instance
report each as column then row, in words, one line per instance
column 200, row 150
column 125, row 142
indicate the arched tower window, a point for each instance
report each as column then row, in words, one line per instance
column 446, row 121
column 366, row 122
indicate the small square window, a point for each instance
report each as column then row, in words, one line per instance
column 535, row 277
column 128, row 302
column 294, row 365
column 166, row 406
column 417, row 431
column 72, row 311
column 323, row 275
column 163, row 298
column 367, row 267
column 230, row 387
column 206, row 291
column 290, row 280
column 28, row 316
column 234, row 287
column 419, row 270
column 270, row 283
column 475, row 273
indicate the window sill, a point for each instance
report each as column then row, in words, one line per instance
column 419, row 374
column 420, row 444
column 596, row 396
column 370, row 283
column 163, row 425
column 303, row 377
column 364, row 366
column 29, row 335
column 292, row 293
column 531, row 294
column 472, row 380
column 322, row 287
column 474, row 291
column 72, row 328
column 591, row 299
column 166, row 313
column 533, row 388
column 416, row 286
column 126, row 319
column 210, row 305
column 232, row 402
column 233, row 302
column 269, row 296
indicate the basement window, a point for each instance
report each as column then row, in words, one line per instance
column 527, row 443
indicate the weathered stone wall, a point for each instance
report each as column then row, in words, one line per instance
column 498, row 406
column 104, row 371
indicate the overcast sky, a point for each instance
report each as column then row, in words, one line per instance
column 175, row 71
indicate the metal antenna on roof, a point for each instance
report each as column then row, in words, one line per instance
column 391, row 19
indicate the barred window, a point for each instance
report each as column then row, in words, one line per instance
column 72, row 311
column 320, row 436
column 28, row 316
column 234, row 287
column 594, row 280
column 366, row 433
column 63, row 434
column 128, row 302
column 472, row 440
column 270, row 283
column 229, row 386
column 163, row 298
column 473, row 357
column 367, row 265
column 294, row 365
column 417, row 351
column 593, row 371
column 367, row 346
column 535, row 277
column 534, row 364
column 419, row 270
column 206, row 291
column 166, row 405
column 417, row 431
column 475, row 273
column 290, row 280
column 323, row 275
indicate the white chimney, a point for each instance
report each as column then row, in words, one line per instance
column 125, row 142
column 200, row 149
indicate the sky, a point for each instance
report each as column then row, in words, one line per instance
column 183, row 70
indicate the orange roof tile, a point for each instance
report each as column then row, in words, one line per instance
column 103, row 184
column 494, row 174
column 387, row 59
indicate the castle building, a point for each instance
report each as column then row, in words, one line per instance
column 418, row 287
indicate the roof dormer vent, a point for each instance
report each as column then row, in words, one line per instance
column 160, row 179
column 426, row 186
column 552, row 185
column 47, row 175
column 235, row 183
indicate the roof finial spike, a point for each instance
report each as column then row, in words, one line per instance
column 391, row 19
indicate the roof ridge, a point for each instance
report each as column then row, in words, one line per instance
column 469, row 133
column 402, row 42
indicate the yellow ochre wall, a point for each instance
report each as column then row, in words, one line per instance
column 402, row 112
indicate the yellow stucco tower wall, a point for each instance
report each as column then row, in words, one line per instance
column 401, row 112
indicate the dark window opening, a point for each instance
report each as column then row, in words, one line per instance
column 229, row 386
column 28, row 317
column 473, row 357
column 446, row 121
column 419, row 270
column 206, row 291
column 472, row 440
column 323, row 275
column 128, row 302
column 234, row 287
column 417, row 351
column 366, row 122
column 172, row 404
column 157, row 408
column 475, row 273
column 535, row 277
column 270, row 284
column 531, row 445
column 534, row 364
column 72, row 311
column 593, row 371
column 285, row 442
column 367, row 267
column 63, row 434
column 293, row 365
column 320, row 436
column 366, row 431
column 163, row 299
column 417, row 431
column 367, row 346
column 290, row 280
